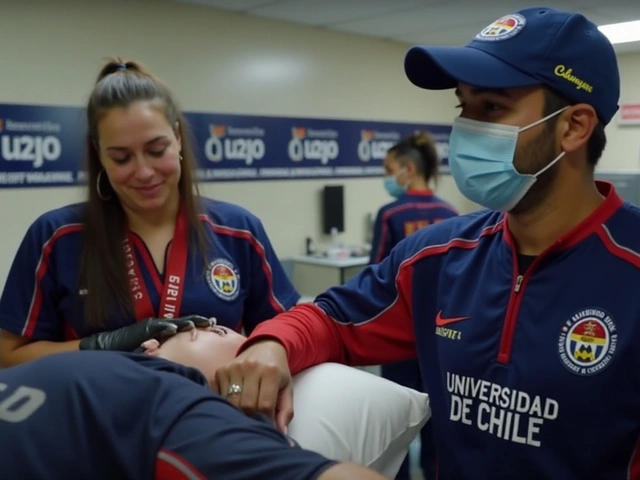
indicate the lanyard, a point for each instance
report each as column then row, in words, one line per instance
column 173, row 287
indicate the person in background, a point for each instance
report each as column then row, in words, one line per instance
column 411, row 166
column 144, row 256
column 525, row 316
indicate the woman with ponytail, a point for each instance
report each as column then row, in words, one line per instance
column 412, row 168
column 144, row 256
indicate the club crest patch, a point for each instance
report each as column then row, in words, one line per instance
column 223, row 279
column 503, row 28
column 587, row 342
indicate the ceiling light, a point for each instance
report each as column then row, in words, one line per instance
column 622, row 32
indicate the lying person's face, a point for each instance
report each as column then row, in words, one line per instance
column 206, row 350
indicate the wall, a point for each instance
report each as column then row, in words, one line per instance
column 223, row 62
column 215, row 61
column 623, row 142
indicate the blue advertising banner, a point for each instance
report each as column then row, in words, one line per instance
column 41, row 146
column 237, row 147
column 44, row 146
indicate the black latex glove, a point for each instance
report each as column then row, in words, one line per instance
column 129, row 338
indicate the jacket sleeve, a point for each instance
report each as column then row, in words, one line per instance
column 366, row 321
column 27, row 305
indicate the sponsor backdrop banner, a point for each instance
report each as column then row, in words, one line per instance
column 44, row 146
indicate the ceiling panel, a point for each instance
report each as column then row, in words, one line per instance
column 401, row 23
column 580, row 4
column 325, row 12
column 237, row 5
column 449, row 36
column 438, row 22
column 620, row 11
column 453, row 13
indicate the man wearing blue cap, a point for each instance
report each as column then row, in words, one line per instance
column 533, row 58
column 524, row 316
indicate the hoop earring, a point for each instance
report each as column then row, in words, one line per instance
column 100, row 195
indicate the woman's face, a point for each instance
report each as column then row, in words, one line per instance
column 392, row 167
column 140, row 153
column 201, row 349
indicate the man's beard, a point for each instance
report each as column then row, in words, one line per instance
column 533, row 157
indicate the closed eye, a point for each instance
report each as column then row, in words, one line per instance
column 158, row 153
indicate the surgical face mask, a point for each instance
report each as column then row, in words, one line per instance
column 392, row 186
column 481, row 158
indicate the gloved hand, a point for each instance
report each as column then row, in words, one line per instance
column 129, row 338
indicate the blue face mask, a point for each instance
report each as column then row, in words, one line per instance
column 392, row 187
column 481, row 161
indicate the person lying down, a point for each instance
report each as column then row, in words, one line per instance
column 341, row 412
column 108, row 415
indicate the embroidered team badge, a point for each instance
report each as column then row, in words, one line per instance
column 223, row 279
column 587, row 342
column 503, row 28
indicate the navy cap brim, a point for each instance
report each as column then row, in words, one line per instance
column 439, row 68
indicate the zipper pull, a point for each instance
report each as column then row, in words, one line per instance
column 518, row 283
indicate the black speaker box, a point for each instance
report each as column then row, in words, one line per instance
column 333, row 208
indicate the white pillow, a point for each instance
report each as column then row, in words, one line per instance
column 347, row 414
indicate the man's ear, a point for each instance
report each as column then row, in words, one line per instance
column 576, row 126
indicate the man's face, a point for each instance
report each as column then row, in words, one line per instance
column 201, row 349
column 536, row 146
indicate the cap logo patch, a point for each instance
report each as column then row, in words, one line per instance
column 503, row 28
column 567, row 73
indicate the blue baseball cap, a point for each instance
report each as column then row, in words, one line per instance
column 535, row 46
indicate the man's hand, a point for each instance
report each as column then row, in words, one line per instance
column 259, row 380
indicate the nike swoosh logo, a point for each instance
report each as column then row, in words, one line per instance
column 441, row 322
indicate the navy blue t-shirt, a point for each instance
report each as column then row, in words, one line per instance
column 124, row 416
column 241, row 282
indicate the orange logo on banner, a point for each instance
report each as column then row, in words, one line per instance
column 218, row 130
column 299, row 132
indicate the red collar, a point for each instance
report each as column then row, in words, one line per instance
column 612, row 202
column 425, row 193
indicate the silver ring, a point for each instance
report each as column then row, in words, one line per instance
column 234, row 389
